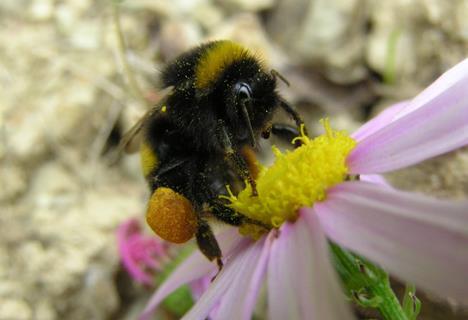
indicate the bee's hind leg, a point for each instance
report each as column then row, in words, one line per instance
column 207, row 243
column 205, row 238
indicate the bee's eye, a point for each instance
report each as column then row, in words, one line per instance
column 243, row 91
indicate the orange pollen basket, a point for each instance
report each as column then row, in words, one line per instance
column 171, row 216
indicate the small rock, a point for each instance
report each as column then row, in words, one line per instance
column 85, row 35
column 324, row 34
column 176, row 37
column 207, row 15
column 45, row 311
column 65, row 17
column 25, row 136
column 99, row 291
column 81, row 6
column 391, row 46
column 249, row 5
column 445, row 176
column 41, row 10
column 406, row 37
column 53, row 187
column 246, row 29
column 14, row 182
column 461, row 25
column 15, row 309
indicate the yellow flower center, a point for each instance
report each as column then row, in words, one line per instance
column 298, row 178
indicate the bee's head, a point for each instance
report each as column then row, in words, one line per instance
column 235, row 82
column 249, row 102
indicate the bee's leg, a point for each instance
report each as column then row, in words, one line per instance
column 226, row 214
column 230, row 216
column 243, row 169
column 240, row 164
column 285, row 132
column 250, row 158
column 293, row 113
column 278, row 75
column 207, row 243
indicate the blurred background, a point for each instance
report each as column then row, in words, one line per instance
column 65, row 101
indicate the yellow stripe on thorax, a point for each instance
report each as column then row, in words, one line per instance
column 215, row 60
column 148, row 158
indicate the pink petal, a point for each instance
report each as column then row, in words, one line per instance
column 375, row 178
column 452, row 76
column 301, row 281
column 430, row 125
column 258, row 277
column 127, row 234
column 445, row 81
column 419, row 239
column 230, row 284
column 195, row 267
column 151, row 262
column 240, row 300
column 199, row 286
column 380, row 121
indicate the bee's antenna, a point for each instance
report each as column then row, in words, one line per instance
column 249, row 125
column 275, row 74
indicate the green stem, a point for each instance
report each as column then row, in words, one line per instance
column 411, row 303
column 390, row 307
column 367, row 284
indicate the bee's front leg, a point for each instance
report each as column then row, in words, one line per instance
column 240, row 164
column 285, row 132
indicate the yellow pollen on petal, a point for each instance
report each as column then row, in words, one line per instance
column 298, row 178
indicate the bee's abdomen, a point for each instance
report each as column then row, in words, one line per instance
column 148, row 159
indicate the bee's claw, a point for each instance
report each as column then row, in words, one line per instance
column 220, row 264
column 254, row 193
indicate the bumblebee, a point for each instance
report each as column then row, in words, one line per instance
column 201, row 137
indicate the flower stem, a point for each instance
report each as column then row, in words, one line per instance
column 367, row 284
column 390, row 307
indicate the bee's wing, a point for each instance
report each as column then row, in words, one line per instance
column 130, row 142
column 132, row 138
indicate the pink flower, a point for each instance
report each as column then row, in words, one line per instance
column 141, row 255
column 416, row 238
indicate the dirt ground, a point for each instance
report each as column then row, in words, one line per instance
column 65, row 100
